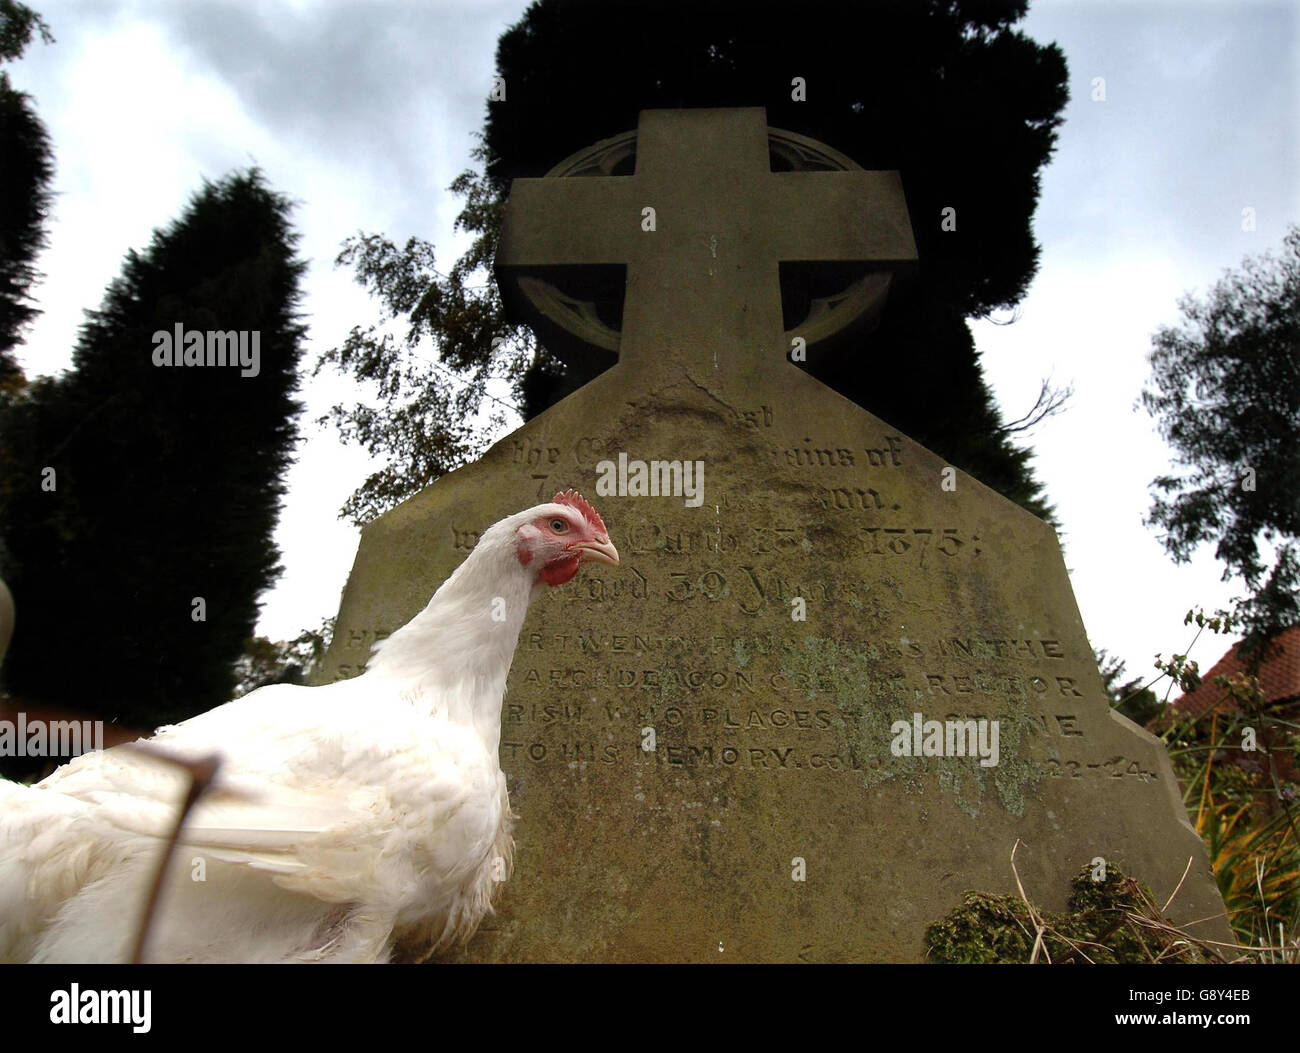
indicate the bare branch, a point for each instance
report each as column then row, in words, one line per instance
column 1050, row 401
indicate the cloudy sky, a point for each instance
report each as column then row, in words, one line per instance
column 363, row 113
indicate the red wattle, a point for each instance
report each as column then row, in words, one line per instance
column 560, row 570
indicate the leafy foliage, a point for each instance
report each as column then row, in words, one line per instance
column 423, row 430
column 1225, row 389
column 1132, row 698
column 932, row 88
column 25, row 198
column 1247, row 814
column 1237, row 765
column 167, row 480
column 18, row 23
column 281, row 661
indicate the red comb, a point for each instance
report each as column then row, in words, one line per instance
column 575, row 500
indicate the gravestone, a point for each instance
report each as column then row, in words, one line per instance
column 710, row 747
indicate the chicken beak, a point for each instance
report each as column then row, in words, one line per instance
column 600, row 551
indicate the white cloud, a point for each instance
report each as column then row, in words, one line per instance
column 364, row 114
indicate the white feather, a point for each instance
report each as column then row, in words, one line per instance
column 345, row 818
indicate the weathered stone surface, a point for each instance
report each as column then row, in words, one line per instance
column 772, row 735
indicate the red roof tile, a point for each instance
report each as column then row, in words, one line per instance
column 1279, row 677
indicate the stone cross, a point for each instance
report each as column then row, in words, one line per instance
column 813, row 708
column 701, row 228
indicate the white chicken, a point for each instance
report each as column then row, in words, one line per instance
column 345, row 819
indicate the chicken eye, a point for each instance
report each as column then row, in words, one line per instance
column 559, row 526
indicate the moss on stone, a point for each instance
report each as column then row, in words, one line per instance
column 990, row 929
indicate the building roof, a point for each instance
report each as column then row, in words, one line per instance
column 1279, row 677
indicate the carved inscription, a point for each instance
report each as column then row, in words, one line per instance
column 816, row 455
column 753, row 701
column 754, row 712
column 541, row 459
column 1114, row 768
column 919, row 541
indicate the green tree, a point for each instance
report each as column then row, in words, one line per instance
column 1131, row 697
column 25, row 176
column 934, row 89
column 267, row 661
column 130, row 490
column 1225, row 391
